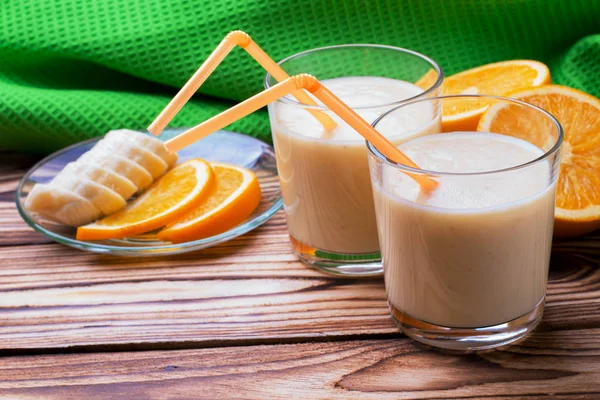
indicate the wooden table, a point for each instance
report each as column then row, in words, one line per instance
column 247, row 320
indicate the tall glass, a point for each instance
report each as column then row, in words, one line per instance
column 466, row 266
column 324, row 175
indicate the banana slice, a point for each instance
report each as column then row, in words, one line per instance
column 103, row 179
column 153, row 144
column 103, row 176
column 107, row 200
column 134, row 152
column 120, row 165
column 61, row 205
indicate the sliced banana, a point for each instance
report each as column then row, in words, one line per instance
column 120, row 165
column 103, row 176
column 102, row 180
column 59, row 205
column 153, row 144
column 107, row 200
column 134, row 152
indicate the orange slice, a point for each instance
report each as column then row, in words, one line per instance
column 578, row 188
column 169, row 198
column 427, row 80
column 491, row 79
column 232, row 200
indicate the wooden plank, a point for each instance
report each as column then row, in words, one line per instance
column 540, row 368
column 13, row 230
column 59, row 298
column 249, row 290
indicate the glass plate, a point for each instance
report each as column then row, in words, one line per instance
column 223, row 146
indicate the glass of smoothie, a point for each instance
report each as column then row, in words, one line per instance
column 324, row 173
column 466, row 265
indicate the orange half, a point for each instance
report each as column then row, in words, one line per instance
column 169, row 198
column 234, row 197
column 426, row 81
column 578, row 188
column 492, row 79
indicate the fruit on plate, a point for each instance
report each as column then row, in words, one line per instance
column 234, row 197
column 103, row 176
column 146, row 141
column 578, row 187
column 152, row 163
column 122, row 166
column 107, row 200
column 122, row 163
column 171, row 197
column 61, row 205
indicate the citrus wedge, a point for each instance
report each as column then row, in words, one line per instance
column 233, row 198
column 427, row 80
column 491, row 79
column 578, row 188
column 169, row 198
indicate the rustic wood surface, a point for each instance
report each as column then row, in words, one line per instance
column 557, row 365
column 254, row 322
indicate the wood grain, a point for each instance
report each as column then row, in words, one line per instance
column 235, row 304
column 250, row 290
column 539, row 368
column 13, row 230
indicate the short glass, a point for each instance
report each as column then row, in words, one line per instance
column 466, row 266
column 324, row 176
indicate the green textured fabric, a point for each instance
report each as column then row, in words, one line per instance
column 73, row 69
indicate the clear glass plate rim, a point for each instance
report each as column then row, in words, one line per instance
column 139, row 250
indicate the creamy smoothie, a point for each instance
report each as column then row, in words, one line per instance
column 476, row 252
column 324, row 175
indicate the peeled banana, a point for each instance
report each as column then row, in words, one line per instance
column 140, row 177
column 147, row 142
column 104, row 176
column 152, row 163
column 102, row 180
column 107, row 200
column 61, row 205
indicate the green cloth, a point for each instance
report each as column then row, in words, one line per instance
column 74, row 69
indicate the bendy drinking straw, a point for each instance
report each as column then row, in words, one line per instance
column 284, row 88
column 243, row 40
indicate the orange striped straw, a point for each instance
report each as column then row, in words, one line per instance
column 284, row 88
column 243, row 40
